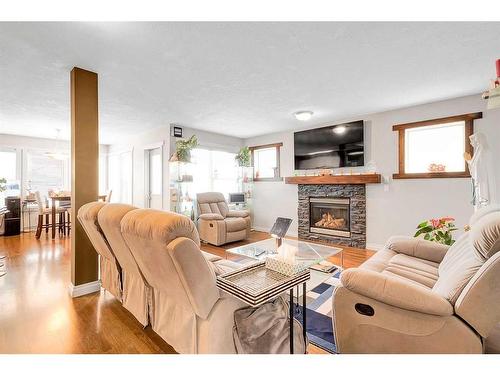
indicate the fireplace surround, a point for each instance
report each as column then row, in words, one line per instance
column 333, row 213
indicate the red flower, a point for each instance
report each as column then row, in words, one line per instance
column 435, row 223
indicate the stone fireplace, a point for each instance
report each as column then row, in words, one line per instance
column 333, row 213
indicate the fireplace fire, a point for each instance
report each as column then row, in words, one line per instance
column 330, row 216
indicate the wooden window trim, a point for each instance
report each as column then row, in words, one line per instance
column 469, row 130
column 271, row 145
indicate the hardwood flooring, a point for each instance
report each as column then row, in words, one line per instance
column 38, row 316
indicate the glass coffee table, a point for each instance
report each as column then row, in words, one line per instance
column 306, row 252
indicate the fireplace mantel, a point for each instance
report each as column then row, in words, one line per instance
column 355, row 179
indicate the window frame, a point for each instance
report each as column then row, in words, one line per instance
column 469, row 130
column 277, row 146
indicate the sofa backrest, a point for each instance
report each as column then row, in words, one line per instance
column 469, row 275
column 212, row 203
column 479, row 302
column 458, row 266
column 165, row 246
column 87, row 215
column 109, row 219
column 109, row 267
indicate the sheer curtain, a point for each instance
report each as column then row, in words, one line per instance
column 120, row 176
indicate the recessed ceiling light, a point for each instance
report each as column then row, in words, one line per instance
column 303, row 115
column 339, row 129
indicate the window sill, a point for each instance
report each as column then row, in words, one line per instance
column 402, row 176
column 270, row 179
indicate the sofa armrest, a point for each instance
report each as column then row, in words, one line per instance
column 395, row 292
column 238, row 213
column 417, row 247
column 211, row 217
column 195, row 274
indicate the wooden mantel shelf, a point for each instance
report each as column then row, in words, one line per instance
column 355, row 179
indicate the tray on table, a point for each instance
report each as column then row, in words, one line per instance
column 256, row 284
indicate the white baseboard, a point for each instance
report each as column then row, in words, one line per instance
column 83, row 289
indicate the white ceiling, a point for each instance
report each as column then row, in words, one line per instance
column 241, row 79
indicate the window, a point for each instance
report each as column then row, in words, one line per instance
column 214, row 171
column 8, row 168
column 44, row 173
column 266, row 162
column 435, row 148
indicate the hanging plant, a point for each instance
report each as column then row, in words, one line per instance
column 243, row 157
column 183, row 149
column 3, row 187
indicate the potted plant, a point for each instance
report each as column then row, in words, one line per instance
column 183, row 149
column 243, row 157
column 437, row 230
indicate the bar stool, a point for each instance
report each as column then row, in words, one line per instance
column 44, row 211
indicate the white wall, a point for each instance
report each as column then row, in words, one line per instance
column 161, row 136
column 210, row 140
column 396, row 206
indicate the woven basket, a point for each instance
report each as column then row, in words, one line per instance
column 285, row 268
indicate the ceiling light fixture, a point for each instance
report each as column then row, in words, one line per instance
column 56, row 154
column 339, row 129
column 303, row 115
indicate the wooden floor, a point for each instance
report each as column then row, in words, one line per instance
column 38, row 316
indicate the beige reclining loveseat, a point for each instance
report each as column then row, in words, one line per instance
column 417, row 296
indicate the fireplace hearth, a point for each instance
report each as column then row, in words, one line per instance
column 333, row 213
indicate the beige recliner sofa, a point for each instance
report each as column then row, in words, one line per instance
column 219, row 225
column 121, row 275
column 416, row 296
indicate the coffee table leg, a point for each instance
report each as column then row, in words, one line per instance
column 304, row 311
column 291, row 321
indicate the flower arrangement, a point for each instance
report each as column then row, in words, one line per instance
column 183, row 149
column 243, row 157
column 438, row 230
column 3, row 181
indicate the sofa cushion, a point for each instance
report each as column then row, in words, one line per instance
column 419, row 271
column 485, row 235
column 235, row 224
column 223, row 266
column 379, row 261
column 458, row 266
column 212, row 203
column 210, row 257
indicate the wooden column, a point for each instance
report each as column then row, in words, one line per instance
column 84, row 177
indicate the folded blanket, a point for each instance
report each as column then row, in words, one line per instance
column 266, row 329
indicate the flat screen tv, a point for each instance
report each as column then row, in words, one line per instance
column 332, row 146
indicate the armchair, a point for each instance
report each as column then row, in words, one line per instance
column 217, row 224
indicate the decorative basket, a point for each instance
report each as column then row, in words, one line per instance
column 285, row 268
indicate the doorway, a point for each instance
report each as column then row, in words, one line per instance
column 154, row 178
